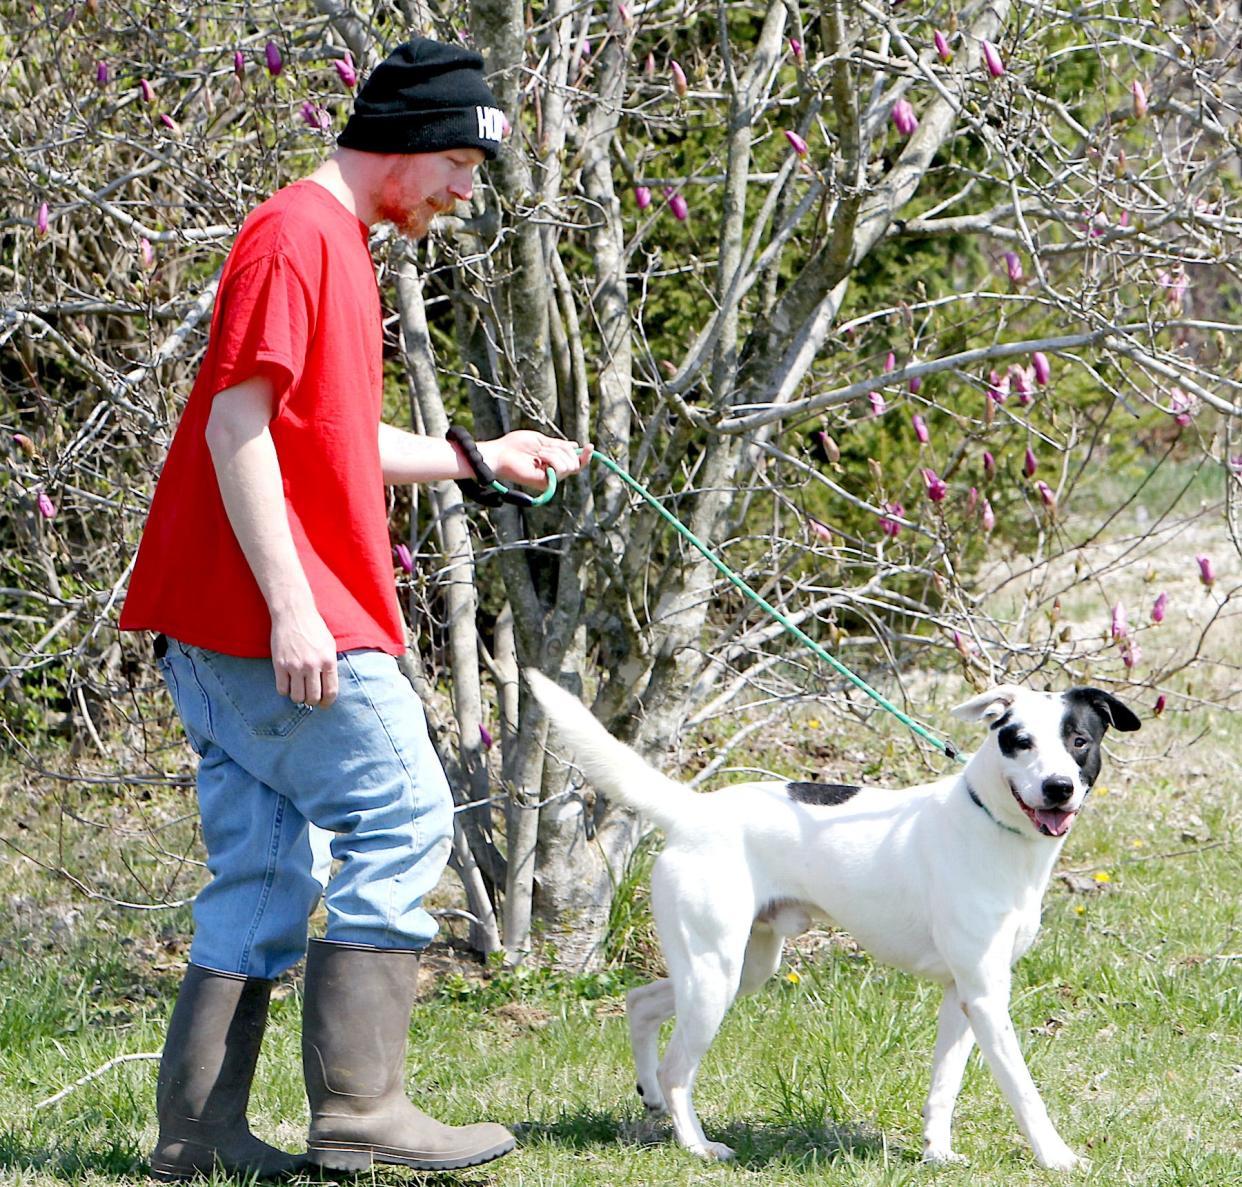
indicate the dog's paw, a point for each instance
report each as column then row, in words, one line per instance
column 714, row 1151
column 1060, row 1158
column 652, row 1100
column 936, row 1156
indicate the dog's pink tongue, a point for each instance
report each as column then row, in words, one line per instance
column 1053, row 822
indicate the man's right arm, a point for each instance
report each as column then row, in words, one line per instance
column 248, row 472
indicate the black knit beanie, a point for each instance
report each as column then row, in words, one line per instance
column 425, row 97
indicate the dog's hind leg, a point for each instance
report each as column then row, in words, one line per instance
column 762, row 959
column 646, row 1008
column 954, row 1041
column 705, row 987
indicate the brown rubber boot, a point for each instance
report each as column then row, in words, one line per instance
column 204, row 1082
column 355, row 1023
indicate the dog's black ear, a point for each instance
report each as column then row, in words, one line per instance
column 1114, row 713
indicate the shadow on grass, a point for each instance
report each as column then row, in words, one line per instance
column 756, row 1145
column 72, row 1162
column 69, row 1160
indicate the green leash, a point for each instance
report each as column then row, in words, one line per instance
column 942, row 745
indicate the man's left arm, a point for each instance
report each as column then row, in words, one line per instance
column 522, row 456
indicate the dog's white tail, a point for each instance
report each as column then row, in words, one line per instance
column 609, row 765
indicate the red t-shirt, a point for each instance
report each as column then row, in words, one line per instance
column 298, row 302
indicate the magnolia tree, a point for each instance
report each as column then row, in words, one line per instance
column 872, row 296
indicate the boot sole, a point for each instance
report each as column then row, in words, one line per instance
column 346, row 1156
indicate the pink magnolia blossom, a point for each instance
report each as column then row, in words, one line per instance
column 972, row 500
column 989, row 464
column 148, row 95
column 1131, row 653
column 920, row 429
column 1043, row 371
column 1159, row 707
column 904, row 118
column 877, row 403
column 936, row 486
column 993, row 60
column 796, row 142
column 1013, row 265
column 649, row 66
column 797, row 52
column 677, row 204
column 41, row 219
column 987, row 516
column 1159, row 607
column 942, row 46
column 147, row 252
column 890, row 361
column 1029, row 463
column 642, row 195
column 272, row 56
column 1175, row 285
column 822, row 530
column 46, row 507
column 239, row 63
column 315, row 117
column 170, row 123
column 24, row 443
column 1047, row 494
column 485, row 737
column 1021, row 382
column 1206, row 573
column 998, row 387
column 915, row 385
column 1139, row 95
column 1182, row 406
column 1123, row 219
column 890, row 526
column 832, row 451
column 404, row 558
column 679, row 77
column 103, row 73
column 1121, row 622
column 345, row 70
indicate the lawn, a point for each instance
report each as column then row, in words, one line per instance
column 1129, row 1009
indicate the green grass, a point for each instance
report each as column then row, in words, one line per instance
column 1129, row 1013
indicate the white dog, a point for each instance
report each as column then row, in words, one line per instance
column 943, row 880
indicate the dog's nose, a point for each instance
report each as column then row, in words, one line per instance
column 1058, row 789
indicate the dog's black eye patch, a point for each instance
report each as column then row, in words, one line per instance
column 823, row 795
column 1014, row 740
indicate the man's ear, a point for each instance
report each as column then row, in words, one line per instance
column 988, row 706
column 1111, row 710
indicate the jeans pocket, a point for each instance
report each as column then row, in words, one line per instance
column 250, row 687
column 169, row 673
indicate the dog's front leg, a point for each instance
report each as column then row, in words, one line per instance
column 954, row 1041
column 985, row 998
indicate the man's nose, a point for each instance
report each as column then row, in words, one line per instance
column 462, row 188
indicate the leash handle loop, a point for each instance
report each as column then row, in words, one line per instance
column 486, row 488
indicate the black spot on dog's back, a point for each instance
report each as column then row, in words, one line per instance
column 822, row 795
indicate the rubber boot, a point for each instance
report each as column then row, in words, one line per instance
column 204, row 1082
column 356, row 1020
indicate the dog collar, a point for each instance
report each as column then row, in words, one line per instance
column 1009, row 828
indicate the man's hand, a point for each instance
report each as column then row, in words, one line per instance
column 304, row 656
column 524, row 456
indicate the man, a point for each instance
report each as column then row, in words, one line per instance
column 266, row 569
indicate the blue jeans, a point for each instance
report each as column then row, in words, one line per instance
column 363, row 769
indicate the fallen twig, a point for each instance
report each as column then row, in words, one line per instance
column 99, row 1071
